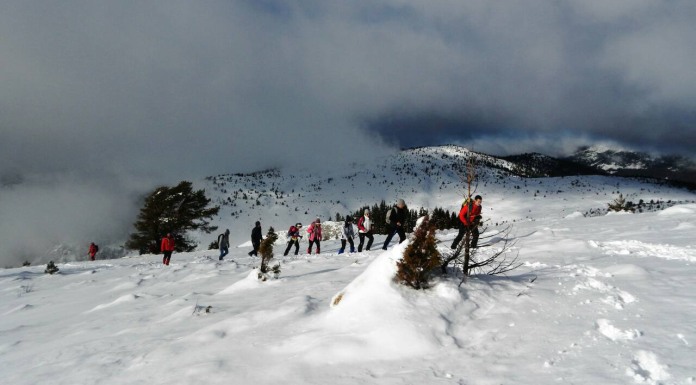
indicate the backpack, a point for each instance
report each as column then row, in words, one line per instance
column 389, row 213
column 96, row 248
column 467, row 201
column 292, row 230
column 470, row 205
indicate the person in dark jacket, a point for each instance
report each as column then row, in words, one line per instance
column 294, row 239
column 224, row 243
column 397, row 220
column 256, row 237
column 347, row 235
column 469, row 218
column 167, row 248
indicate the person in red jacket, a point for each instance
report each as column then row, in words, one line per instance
column 93, row 251
column 167, row 248
column 314, row 231
column 469, row 218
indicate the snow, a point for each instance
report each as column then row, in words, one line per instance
column 687, row 209
column 604, row 299
column 425, row 177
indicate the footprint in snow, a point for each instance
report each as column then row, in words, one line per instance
column 616, row 298
column 615, row 334
column 645, row 367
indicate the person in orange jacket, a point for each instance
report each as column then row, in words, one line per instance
column 167, row 248
column 469, row 218
column 93, row 251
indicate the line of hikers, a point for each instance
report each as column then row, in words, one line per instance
column 469, row 219
column 395, row 220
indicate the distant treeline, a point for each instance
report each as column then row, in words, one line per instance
column 441, row 218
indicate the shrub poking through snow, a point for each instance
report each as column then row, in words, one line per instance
column 336, row 299
column 620, row 204
column 420, row 258
column 266, row 251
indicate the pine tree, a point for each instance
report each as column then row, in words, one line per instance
column 174, row 210
column 620, row 204
column 420, row 258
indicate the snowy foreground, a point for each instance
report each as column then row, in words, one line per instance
column 602, row 300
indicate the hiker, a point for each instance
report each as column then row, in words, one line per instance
column 167, row 248
column 224, row 243
column 365, row 231
column 294, row 238
column 93, row 249
column 396, row 219
column 469, row 219
column 347, row 234
column 314, row 231
column 256, row 237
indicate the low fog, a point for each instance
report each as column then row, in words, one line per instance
column 57, row 217
column 102, row 101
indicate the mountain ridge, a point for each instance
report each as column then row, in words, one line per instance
column 621, row 162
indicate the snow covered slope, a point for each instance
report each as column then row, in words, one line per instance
column 426, row 177
column 600, row 300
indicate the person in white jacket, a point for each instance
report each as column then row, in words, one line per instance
column 365, row 231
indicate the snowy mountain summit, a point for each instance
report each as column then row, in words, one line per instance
column 616, row 161
column 425, row 178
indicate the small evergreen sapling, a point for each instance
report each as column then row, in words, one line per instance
column 266, row 251
column 420, row 258
column 620, row 204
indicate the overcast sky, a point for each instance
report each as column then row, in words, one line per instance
column 173, row 89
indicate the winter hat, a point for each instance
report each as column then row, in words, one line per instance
column 367, row 212
column 318, row 220
column 401, row 202
column 349, row 219
column 258, row 223
column 227, row 231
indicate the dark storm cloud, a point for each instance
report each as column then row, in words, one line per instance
column 176, row 89
column 585, row 71
column 202, row 87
